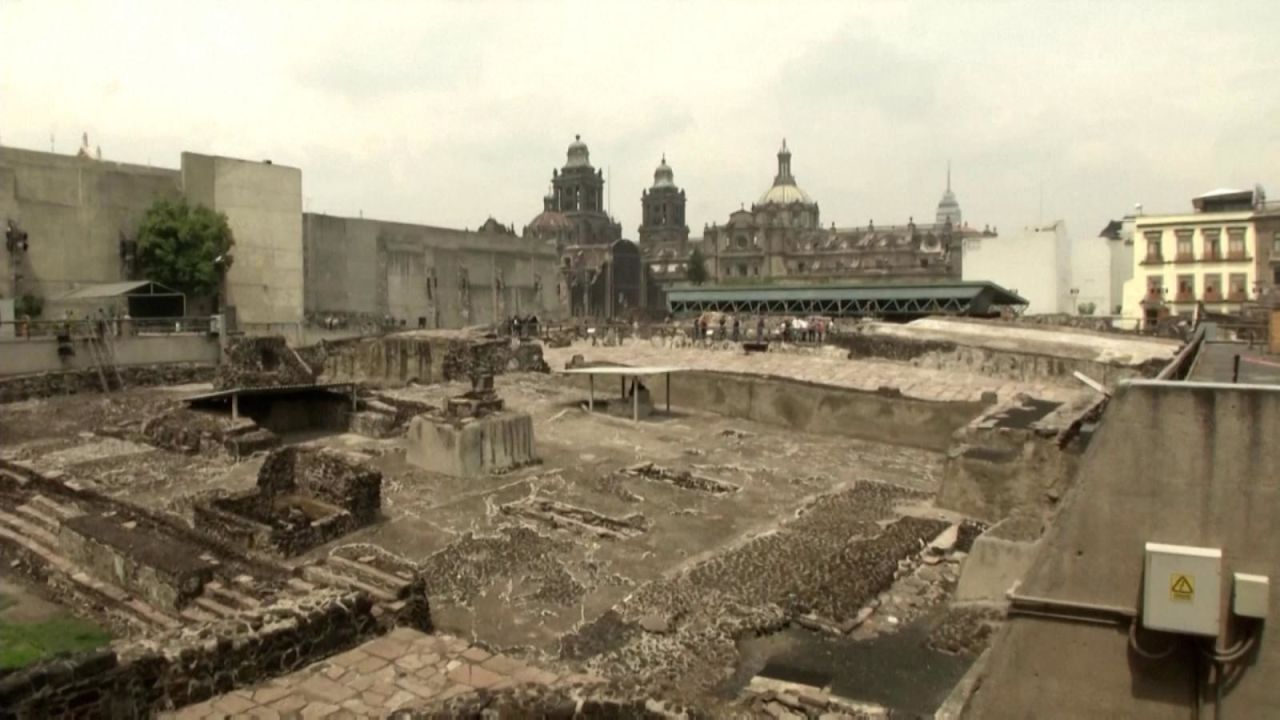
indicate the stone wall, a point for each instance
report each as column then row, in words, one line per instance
column 419, row 357
column 137, row 555
column 883, row 416
column 140, row 678
column 193, row 431
column 264, row 361
column 333, row 476
column 1023, row 366
column 305, row 497
column 49, row 384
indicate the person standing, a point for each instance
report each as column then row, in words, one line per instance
column 735, row 328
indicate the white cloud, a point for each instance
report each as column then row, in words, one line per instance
column 449, row 112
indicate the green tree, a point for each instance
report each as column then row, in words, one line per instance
column 697, row 273
column 187, row 248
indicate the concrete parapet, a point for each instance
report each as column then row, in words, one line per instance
column 997, row 561
column 1181, row 463
column 494, row 443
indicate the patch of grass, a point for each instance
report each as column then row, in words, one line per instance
column 24, row 643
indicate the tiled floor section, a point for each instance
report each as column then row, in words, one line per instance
column 828, row 366
column 404, row 668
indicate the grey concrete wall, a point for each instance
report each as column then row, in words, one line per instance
column 75, row 210
column 453, row 278
column 806, row 407
column 1172, row 463
column 263, row 204
column 20, row 357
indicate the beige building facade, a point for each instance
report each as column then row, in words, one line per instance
column 1225, row 254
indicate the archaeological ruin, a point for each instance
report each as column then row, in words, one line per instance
column 368, row 528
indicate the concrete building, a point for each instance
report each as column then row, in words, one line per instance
column 81, row 216
column 1119, row 237
column 361, row 271
column 781, row 238
column 1034, row 263
column 263, row 205
column 1224, row 254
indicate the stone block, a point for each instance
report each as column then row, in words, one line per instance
column 470, row 448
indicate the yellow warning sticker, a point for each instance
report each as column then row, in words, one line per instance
column 1182, row 587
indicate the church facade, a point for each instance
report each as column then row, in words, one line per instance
column 780, row 239
column 601, row 274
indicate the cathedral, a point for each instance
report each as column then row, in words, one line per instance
column 601, row 275
column 781, row 239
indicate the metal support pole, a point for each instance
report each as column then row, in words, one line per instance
column 1235, row 370
column 622, row 384
column 591, row 396
column 668, row 393
column 635, row 399
column 235, row 406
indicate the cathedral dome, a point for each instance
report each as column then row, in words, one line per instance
column 579, row 156
column 663, row 177
column 550, row 221
column 784, row 190
column 784, row 195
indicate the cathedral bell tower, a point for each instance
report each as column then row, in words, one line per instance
column 662, row 212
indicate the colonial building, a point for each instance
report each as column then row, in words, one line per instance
column 601, row 274
column 781, row 238
column 1225, row 254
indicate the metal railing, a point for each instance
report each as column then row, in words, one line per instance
column 22, row 330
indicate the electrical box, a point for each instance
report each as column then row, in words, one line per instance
column 1250, row 595
column 1182, row 589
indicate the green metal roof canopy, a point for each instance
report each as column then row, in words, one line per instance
column 953, row 298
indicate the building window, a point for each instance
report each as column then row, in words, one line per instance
column 755, row 270
column 799, row 267
column 742, row 242
column 1212, row 243
column 1153, row 247
column 1185, row 253
column 1186, row 288
column 742, row 270
column 1237, row 290
column 1275, row 276
column 1275, row 245
column 1155, row 287
column 1235, row 243
column 1213, row 287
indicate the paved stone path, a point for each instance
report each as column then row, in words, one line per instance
column 404, row 668
column 828, row 366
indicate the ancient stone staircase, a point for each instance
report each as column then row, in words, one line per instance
column 389, row 591
column 33, row 528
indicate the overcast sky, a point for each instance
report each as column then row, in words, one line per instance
column 447, row 113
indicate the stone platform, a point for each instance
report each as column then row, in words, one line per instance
column 473, row 446
column 404, row 669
